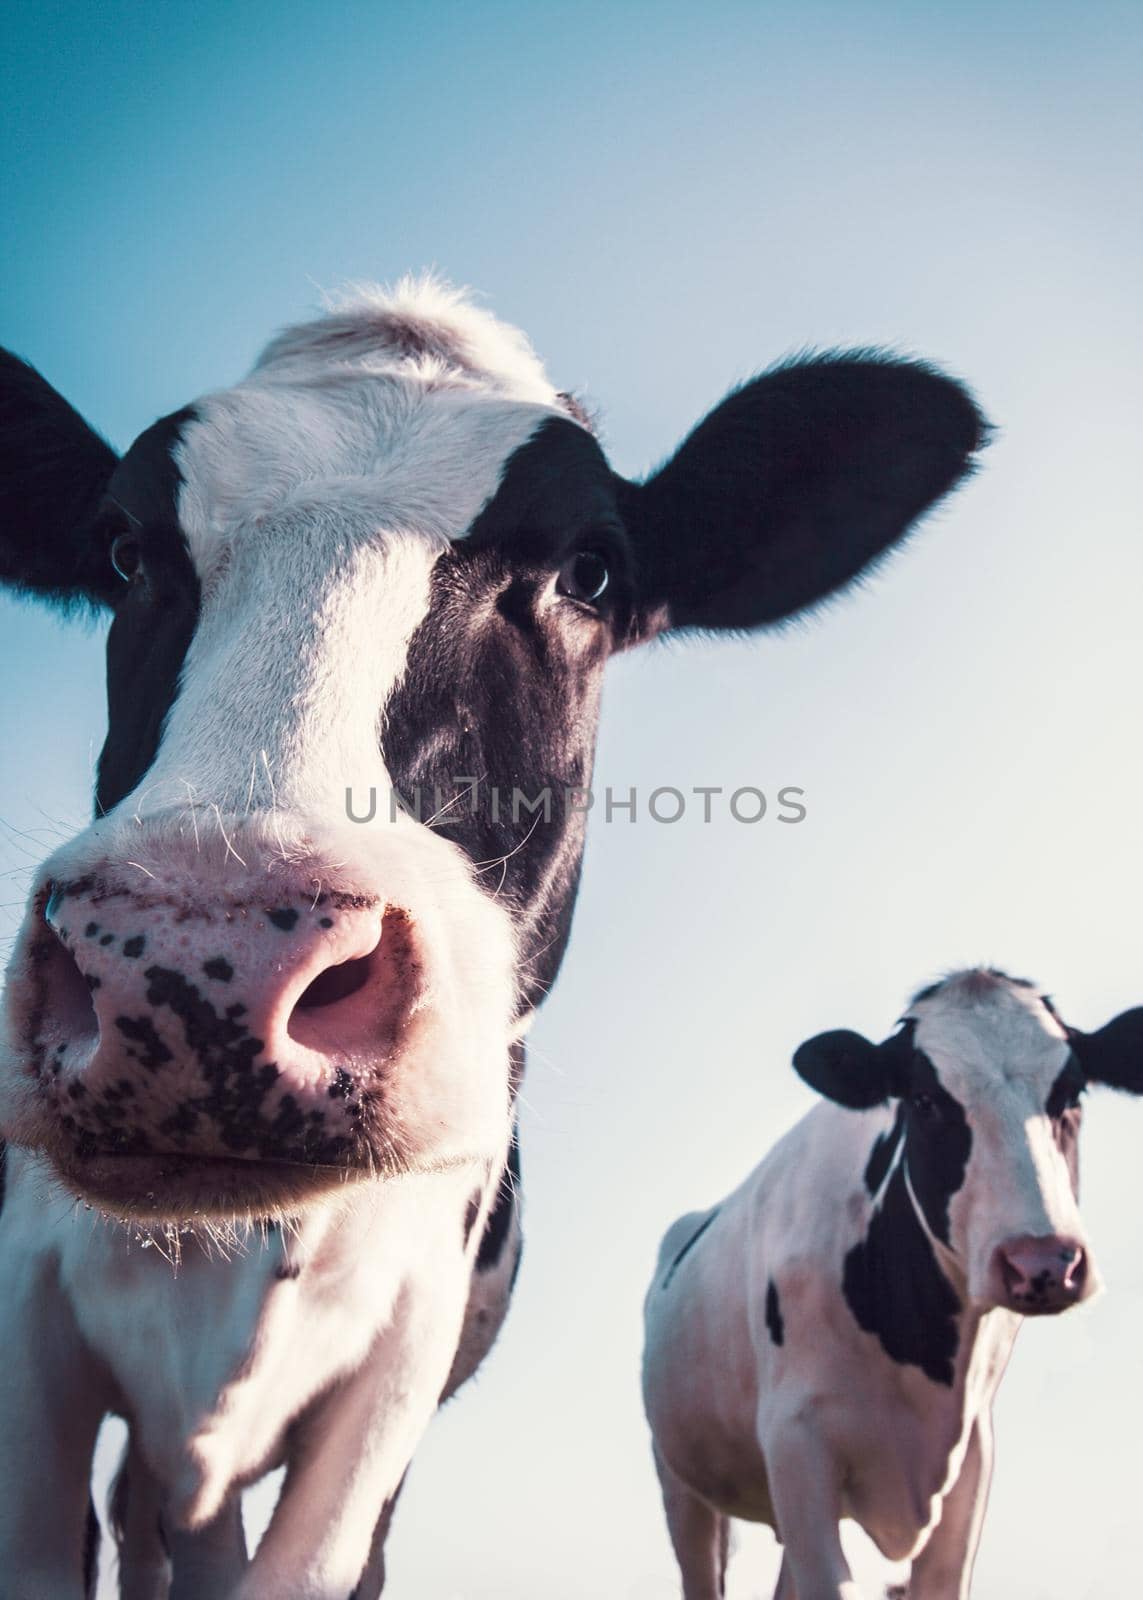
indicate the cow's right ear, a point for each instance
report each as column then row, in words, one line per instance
column 53, row 473
column 1114, row 1053
column 850, row 1069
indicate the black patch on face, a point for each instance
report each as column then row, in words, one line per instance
column 155, row 614
column 219, row 969
column 135, row 946
column 897, row 1292
column 938, row 1143
column 284, row 918
column 774, row 1324
column 1065, row 1092
column 688, row 1247
column 881, row 1156
column 892, row 1281
column 1065, row 1113
column 499, row 1224
column 502, row 685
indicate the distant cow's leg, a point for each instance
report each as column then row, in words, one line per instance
column 51, row 1405
column 943, row 1570
column 804, row 1490
column 785, row 1589
column 699, row 1534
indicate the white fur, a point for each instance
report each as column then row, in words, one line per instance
column 212, row 1360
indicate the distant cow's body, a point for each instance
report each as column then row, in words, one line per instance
column 828, row 1341
column 393, row 561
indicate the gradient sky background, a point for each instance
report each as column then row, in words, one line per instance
column 667, row 198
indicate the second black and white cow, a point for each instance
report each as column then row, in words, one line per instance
column 393, row 561
column 828, row 1341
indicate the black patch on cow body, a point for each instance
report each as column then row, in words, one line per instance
column 689, row 1246
column 499, row 1223
column 774, row 1324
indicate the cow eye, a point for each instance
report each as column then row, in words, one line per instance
column 584, row 577
column 126, row 555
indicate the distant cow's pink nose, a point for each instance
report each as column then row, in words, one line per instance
column 241, row 1029
column 1040, row 1275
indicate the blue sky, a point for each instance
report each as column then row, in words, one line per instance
column 666, row 199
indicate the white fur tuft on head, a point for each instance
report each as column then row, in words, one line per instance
column 422, row 328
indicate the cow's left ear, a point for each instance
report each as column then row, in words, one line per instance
column 851, row 1070
column 793, row 486
column 1114, row 1054
column 54, row 469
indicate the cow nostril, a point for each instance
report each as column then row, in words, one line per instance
column 67, row 994
column 1075, row 1268
column 336, row 983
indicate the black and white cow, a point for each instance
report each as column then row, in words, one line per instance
column 394, row 558
column 828, row 1341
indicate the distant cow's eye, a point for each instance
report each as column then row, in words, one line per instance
column 126, row 555
column 584, row 577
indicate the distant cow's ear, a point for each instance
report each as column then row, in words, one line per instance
column 793, row 486
column 53, row 472
column 848, row 1068
column 1114, row 1054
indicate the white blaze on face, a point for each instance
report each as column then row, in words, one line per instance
column 314, row 579
column 998, row 1050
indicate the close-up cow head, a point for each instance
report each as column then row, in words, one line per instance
column 982, row 1157
column 392, row 561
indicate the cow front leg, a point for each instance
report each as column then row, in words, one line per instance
column 700, row 1536
column 136, row 1513
column 372, row 1580
column 943, row 1570
column 352, row 1451
column 805, row 1492
column 52, row 1400
column 208, row 1562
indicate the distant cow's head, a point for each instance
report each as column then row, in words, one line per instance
column 983, row 1153
column 392, row 559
